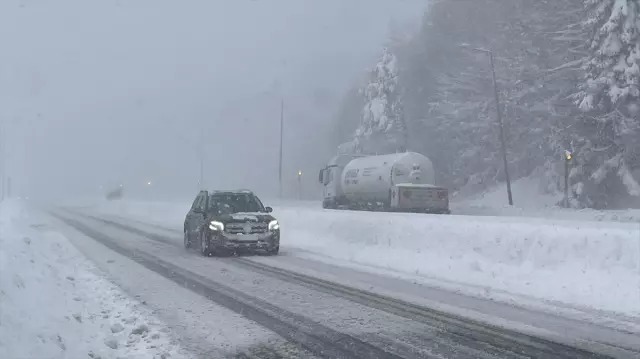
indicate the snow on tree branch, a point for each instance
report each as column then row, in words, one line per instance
column 382, row 115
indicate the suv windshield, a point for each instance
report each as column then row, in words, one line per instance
column 235, row 203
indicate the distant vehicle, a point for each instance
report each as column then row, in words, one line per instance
column 395, row 182
column 224, row 222
column 115, row 194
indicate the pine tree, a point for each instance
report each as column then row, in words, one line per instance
column 382, row 127
column 608, row 131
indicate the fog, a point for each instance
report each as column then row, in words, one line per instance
column 94, row 94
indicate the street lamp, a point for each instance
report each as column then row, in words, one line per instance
column 568, row 156
column 499, row 116
column 299, row 184
column 280, row 155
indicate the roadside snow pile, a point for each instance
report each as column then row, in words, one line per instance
column 583, row 263
column 53, row 305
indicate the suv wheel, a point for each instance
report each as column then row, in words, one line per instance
column 187, row 241
column 205, row 248
column 274, row 251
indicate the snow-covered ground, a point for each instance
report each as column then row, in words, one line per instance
column 587, row 264
column 55, row 304
column 531, row 201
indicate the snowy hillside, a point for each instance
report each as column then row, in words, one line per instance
column 54, row 304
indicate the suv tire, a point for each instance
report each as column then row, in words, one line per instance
column 274, row 251
column 205, row 245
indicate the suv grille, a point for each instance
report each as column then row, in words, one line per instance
column 245, row 228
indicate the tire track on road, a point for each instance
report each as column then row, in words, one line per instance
column 472, row 334
column 624, row 320
column 314, row 337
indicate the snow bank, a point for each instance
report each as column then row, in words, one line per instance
column 574, row 262
column 54, row 305
column 527, row 194
column 593, row 264
column 530, row 201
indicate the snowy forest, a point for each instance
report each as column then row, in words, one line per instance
column 567, row 74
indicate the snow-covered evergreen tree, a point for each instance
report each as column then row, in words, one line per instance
column 382, row 127
column 609, row 133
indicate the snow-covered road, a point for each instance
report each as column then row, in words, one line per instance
column 329, row 325
column 541, row 262
column 600, row 331
column 324, row 323
column 319, row 297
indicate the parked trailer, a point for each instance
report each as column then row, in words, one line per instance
column 395, row 182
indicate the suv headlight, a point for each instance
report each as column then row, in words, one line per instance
column 216, row 226
column 274, row 225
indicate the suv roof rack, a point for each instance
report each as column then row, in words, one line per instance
column 242, row 190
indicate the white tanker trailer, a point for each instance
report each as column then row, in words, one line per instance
column 396, row 182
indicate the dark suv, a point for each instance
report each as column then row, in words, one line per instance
column 231, row 222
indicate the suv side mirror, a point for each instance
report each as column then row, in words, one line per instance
column 268, row 209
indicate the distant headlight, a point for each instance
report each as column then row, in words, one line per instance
column 274, row 225
column 216, row 226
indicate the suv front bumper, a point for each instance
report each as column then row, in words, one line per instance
column 251, row 242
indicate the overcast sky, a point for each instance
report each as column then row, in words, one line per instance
column 95, row 93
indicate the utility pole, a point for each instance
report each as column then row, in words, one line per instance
column 2, row 160
column 201, row 171
column 198, row 145
column 503, row 144
column 281, row 135
column 500, row 124
column 201, row 158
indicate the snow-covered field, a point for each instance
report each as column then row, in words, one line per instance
column 55, row 304
column 587, row 264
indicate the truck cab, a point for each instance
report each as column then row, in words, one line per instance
column 331, row 179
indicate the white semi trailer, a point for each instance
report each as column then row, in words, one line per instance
column 396, row 182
